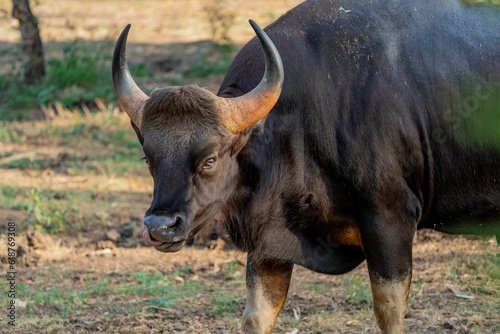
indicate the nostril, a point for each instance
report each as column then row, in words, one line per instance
column 163, row 222
column 178, row 221
column 172, row 225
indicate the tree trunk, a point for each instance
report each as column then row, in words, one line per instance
column 34, row 66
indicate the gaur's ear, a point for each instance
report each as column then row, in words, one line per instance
column 138, row 133
column 240, row 141
column 243, row 136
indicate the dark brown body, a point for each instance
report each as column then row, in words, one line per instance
column 374, row 135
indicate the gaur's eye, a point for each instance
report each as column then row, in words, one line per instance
column 209, row 163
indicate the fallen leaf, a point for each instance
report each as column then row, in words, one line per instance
column 459, row 294
column 20, row 303
column 464, row 296
column 352, row 323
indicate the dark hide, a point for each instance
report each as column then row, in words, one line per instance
column 388, row 121
column 363, row 126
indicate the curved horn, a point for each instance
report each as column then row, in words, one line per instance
column 244, row 111
column 130, row 96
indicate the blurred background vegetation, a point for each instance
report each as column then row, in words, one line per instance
column 78, row 68
column 78, row 53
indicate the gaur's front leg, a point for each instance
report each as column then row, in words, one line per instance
column 388, row 248
column 267, row 287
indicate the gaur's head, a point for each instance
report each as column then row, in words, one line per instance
column 190, row 138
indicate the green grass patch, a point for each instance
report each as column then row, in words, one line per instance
column 357, row 289
column 166, row 290
column 149, row 279
column 216, row 59
column 48, row 214
column 8, row 196
column 49, row 211
column 15, row 199
column 234, row 274
column 155, row 289
column 224, row 304
column 233, row 268
column 181, row 271
column 418, row 289
column 8, row 133
column 316, row 287
column 487, row 273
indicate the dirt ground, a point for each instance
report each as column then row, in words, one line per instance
column 456, row 280
column 452, row 290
